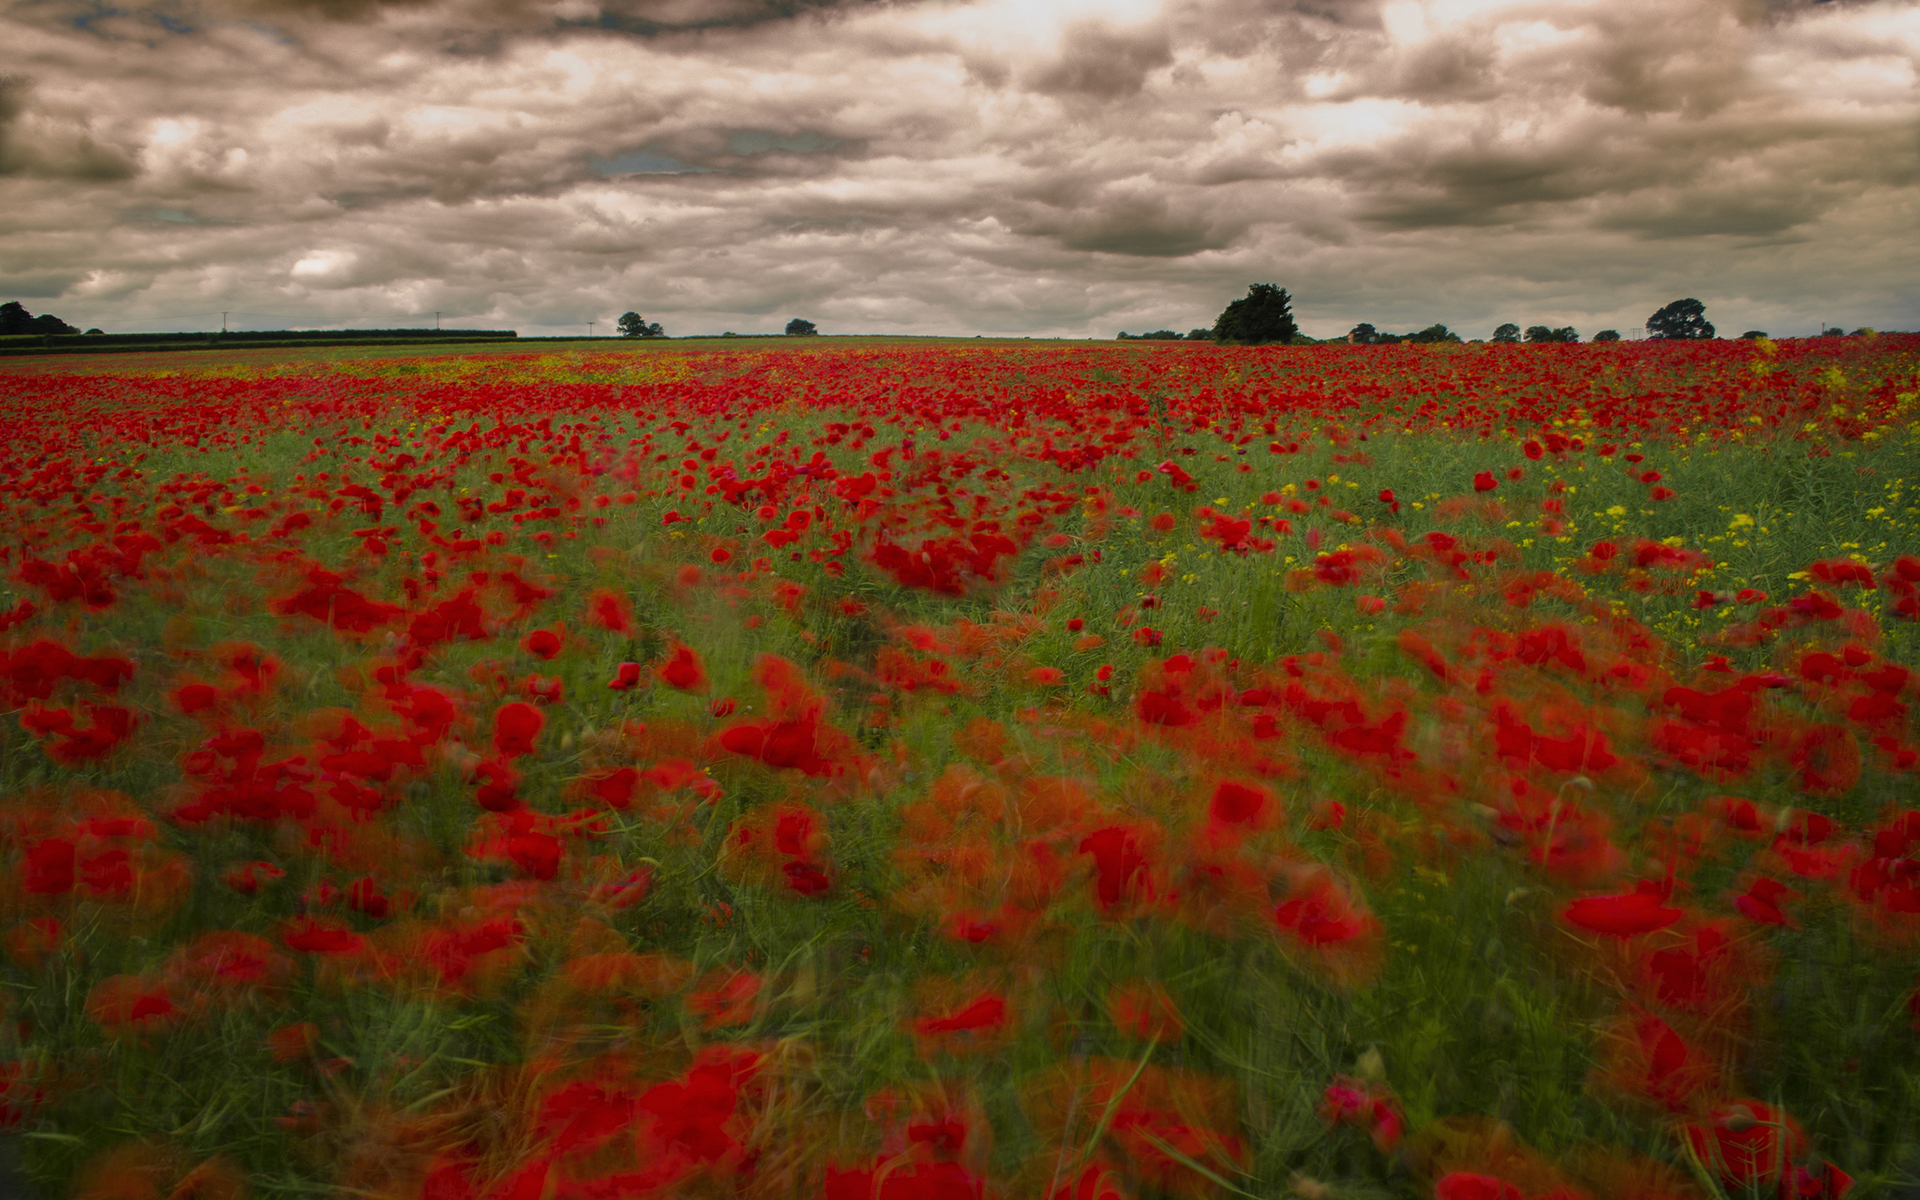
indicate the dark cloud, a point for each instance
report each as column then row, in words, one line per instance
column 1099, row 61
column 32, row 285
column 52, row 144
column 992, row 165
column 1730, row 215
column 1144, row 226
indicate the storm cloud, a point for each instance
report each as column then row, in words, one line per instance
column 1001, row 166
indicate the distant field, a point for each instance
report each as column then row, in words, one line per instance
column 876, row 769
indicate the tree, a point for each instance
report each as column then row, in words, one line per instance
column 1681, row 321
column 1507, row 333
column 1753, row 335
column 15, row 320
column 632, row 324
column 1263, row 316
column 1607, row 335
column 799, row 328
column 1434, row 333
column 1362, row 334
column 1199, row 335
column 1540, row 333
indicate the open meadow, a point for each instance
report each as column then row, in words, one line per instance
column 938, row 770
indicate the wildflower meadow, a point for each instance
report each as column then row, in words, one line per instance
column 867, row 770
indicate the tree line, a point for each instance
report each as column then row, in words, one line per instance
column 15, row 320
column 1264, row 317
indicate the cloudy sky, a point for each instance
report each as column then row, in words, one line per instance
column 1058, row 167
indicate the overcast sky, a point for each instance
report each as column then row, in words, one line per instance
column 997, row 167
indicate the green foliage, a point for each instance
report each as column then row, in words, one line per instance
column 633, row 325
column 1506, row 334
column 16, row 320
column 800, row 328
column 1682, row 320
column 1263, row 316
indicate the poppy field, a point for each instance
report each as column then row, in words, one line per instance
column 939, row 771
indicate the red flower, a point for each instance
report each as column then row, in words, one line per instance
column 1746, row 1142
column 626, row 677
column 1320, row 913
column 610, row 611
column 1142, row 1010
column 1463, row 1186
column 988, row 1012
column 1236, row 803
column 1761, row 902
column 49, row 868
column 514, row 728
column 1640, row 911
column 684, row 670
column 1485, row 482
column 129, row 1004
column 543, row 643
column 195, row 697
column 1120, row 865
column 310, row 935
column 365, row 896
column 538, row 854
column 247, row 878
column 729, row 1001
column 1349, row 1101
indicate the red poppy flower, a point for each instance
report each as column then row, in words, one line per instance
column 1322, row 914
column 1640, row 911
column 311, row 935
column 130, row 1004
column 610, row 611
column 543, row 643
column 514, row 728
column 988, row 1012
column 1141, row 1009
column 1746, row 1142
column 684, row 670
column 247, row 878
column 49, row 867
column 1464, row 1186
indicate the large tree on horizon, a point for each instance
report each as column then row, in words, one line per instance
column 15, row 319
column 1262, row 317
column 632, row 324
column 1681, row 321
